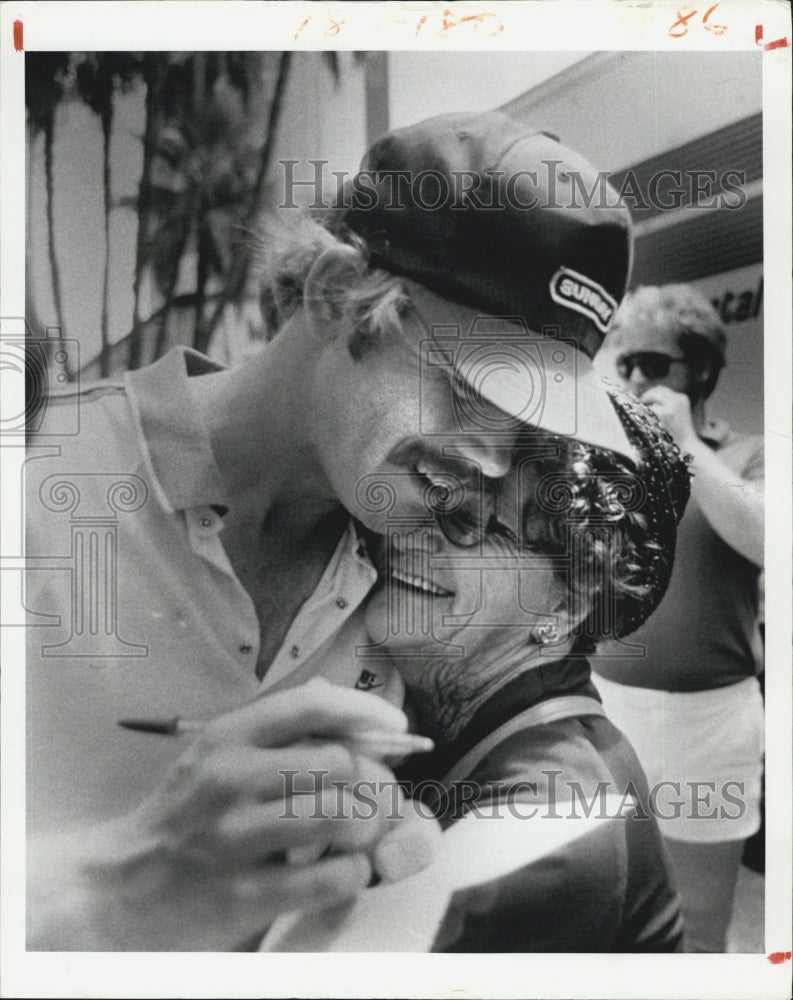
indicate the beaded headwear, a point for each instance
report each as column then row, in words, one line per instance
column 665, row 480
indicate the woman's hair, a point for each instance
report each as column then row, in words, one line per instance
column 374, row 300
column 613, row 527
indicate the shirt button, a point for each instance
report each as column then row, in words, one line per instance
column 206, row 522
column 341, row 602
column 245, row 648
column 294, row 652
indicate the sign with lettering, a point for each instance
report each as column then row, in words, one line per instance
column 737, row 296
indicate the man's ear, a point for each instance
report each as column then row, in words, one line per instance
column 574, row 609
column 569, row 618
column 331, row 274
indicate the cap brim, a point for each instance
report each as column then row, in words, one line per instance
column 540, row 381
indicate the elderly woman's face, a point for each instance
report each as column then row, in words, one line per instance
column 440, row 598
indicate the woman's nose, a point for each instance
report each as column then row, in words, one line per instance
column 491, row 455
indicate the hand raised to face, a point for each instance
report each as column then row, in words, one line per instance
column 673, row 409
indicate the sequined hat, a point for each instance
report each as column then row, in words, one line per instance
column 665, row 485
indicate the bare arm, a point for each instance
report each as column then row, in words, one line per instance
column 201, row 864
column 733, row 506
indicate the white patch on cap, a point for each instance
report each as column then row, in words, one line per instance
column 585, row 296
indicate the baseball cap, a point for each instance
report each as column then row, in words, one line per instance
column 487, row 217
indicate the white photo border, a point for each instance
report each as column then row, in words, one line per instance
column 564, row 25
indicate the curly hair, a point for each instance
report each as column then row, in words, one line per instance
column 688, row 314
column 375, row 301
column 613, row 526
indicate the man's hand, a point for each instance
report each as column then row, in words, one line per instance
column 673, row 409
column 204, row 862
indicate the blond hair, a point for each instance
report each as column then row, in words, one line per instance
column 374, row 300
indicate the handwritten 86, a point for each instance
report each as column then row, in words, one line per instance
column 680, row 27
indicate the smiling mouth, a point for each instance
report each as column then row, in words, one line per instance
column 419, row 583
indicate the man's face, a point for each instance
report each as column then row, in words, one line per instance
column 387, row 431
column 646, row 358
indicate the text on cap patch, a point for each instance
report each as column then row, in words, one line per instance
column 576, row 291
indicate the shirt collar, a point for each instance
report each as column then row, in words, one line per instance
column 571, row 675
column 174, row 439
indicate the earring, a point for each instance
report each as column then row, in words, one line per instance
column 545, row 635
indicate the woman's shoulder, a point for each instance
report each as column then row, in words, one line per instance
column 600, row 883
column 581, row 751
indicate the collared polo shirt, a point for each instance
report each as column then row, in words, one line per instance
column 134, row 607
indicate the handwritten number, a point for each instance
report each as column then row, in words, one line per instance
column 717, row 29
column 479, row 19
column 680, row 27
column 447, row 22
column 300, row 29
column 682, row 21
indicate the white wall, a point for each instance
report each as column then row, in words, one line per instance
column 423, row 84
column 323, row 118
column 619, row 108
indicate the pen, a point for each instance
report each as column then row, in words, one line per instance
column 371, row 743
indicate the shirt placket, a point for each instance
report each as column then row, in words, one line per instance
column 204, row 526
column 347, row 580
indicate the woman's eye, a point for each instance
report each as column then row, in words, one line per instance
column 460, row 528
column 497, row 528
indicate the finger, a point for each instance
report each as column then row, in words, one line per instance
column 230, row 771
column 651, row 396
column 661, row 394
column 332, row 819
column 316, row 709
column 277, row 888
column 409, row 846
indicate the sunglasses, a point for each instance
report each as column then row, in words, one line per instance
column 651, row 364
